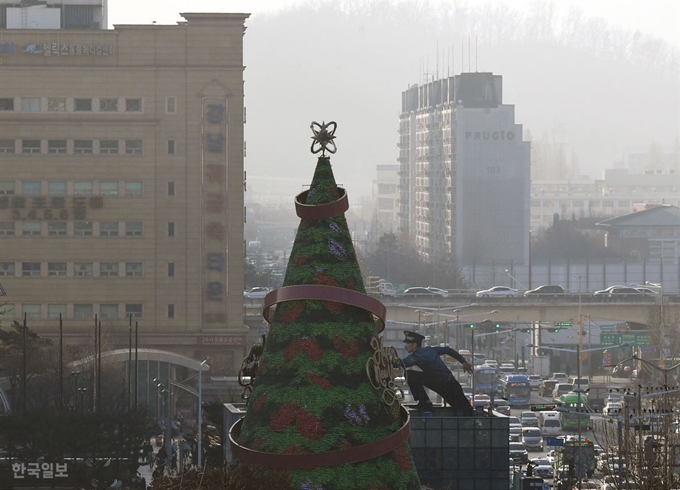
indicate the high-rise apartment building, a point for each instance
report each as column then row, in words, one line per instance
column 464, row 172
column 121, row 191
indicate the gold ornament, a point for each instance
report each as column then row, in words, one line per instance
column 324, row 134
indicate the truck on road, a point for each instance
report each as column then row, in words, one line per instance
column 541, row 366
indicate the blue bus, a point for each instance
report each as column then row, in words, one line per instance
column 516, row 389
column 486, row 380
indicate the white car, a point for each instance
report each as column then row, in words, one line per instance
column 528, row 419
column 515, row 428
column 429, row 292
column 482, row 400
column 497, row 292
column 534, row 381
column 256, row 293
column 613, row 409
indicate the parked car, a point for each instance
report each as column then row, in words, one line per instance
column 546, row 387
column 519, row 453
column 528, row 419
column 532, row 438
column 497, row 292
column 545, row 289
column 534, row 381
column 256, row 293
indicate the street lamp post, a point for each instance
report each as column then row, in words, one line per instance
column 200, row 410
column 662, row 326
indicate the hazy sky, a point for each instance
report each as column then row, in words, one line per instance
column 657, row 17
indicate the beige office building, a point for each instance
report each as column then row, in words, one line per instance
column 121, row 190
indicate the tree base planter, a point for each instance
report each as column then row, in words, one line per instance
column 465, row 453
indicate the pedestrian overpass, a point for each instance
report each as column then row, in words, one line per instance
column 165, row 380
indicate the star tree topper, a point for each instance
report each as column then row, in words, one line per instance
column 324, row 134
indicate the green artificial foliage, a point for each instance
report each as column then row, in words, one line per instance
column 312, row 393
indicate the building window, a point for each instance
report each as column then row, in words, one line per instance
column 30, row 269
column 6, row 268
column 133, row 147
column 6, row 228
column 83, row 188
column 171, row 310
column 56, row 188
column 56, row 268
column 6, row 188
column 81, row 147
column 82, row 105
column 133, row 228
column 133, row 310
column 133, row 105
column 30, row 104
column 82, row 269
column 6, row 146
column 133, row 189
column 171, row 228
column 171, row 189
column 31, row 311
column 108, row 147
column 171, row 147
column 108, row 269
column 108, row 105
column 30, row 188
column 171, row 269
column 30, row 228
column 108, row 228
column 133, row 269
column 83, row 311
column 108, row 188
column 171, row 105
column 6, row 103
column 56, row 147
column 54, row 312
column 30, row 146
column 108, row 310
column 56, row 228
column 82, row 228
column 56, row 104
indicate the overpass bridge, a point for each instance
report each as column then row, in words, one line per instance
column 538, row 308
column 522, row 309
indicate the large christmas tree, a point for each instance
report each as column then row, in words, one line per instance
column 319, row 406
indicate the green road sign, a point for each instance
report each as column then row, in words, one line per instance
column 636, row 339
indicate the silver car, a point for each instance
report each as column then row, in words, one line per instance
column 532, row 438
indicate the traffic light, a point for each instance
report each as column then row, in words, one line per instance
column 527, row 330
column 498, row 326
column 557, row 326
column 472, row 325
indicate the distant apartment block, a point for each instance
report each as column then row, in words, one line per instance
column 386, row 199
column 464, row 172
column 53, row 14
